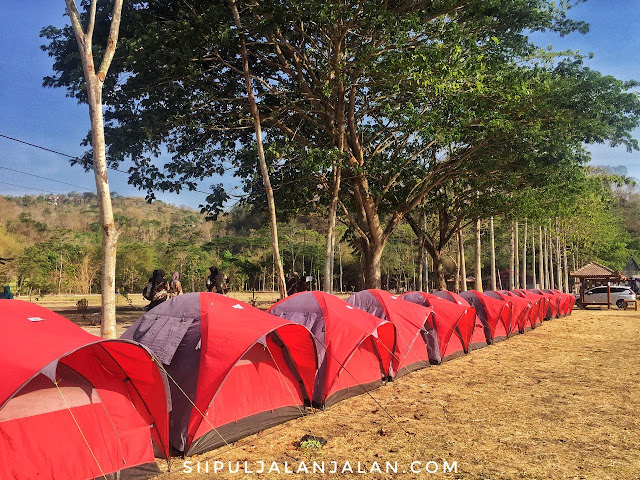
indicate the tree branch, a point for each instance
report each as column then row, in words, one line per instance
column 111, row 42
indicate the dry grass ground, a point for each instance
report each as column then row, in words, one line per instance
column 561, row 401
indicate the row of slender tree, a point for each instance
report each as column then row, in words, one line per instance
column 434, row 113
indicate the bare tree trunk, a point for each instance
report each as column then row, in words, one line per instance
column 331, row 227
column 566, row 263
column 552, row 279
column 438, row 270
column 421, row 271
column 424, row 285
column 456, row 285
column 340, row 257
column 94, row 83
column 263, row 164
column 478, row 262
column 559, row 258
column 541, row 257
column 372, row 258
column 492, row 246
column 60, row 276
column 547, row 277
column 426, row 274
column 533, row 257
column 512, row 256
column 463, row 262
column 524, row 256
column 517, row 255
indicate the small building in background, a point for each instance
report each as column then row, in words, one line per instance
column 594, row 274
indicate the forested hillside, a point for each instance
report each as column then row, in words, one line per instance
column 55, row 243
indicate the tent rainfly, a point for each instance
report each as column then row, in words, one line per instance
column 417, row 338
column 454, row 323
column 354, row 348
column 76, row 406
column 234, row 370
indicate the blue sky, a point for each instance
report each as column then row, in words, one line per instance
column 47, row 117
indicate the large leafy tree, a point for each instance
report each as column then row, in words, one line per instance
column 394, row 97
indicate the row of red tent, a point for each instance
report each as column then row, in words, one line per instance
column 203, row 370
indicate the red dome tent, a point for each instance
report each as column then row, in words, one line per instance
column 567, row 301
column 73, row 405
column 539, row 306
column 238, row 370
column 479, row 337
column 549, row 308
column 560, row 301
column 354, row 348
column 495, row 314
column 521, row 309
column 416, row 339
column 454, row 323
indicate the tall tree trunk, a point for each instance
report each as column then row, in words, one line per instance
column 426, row 274
column 424, row 286
column 261, row 159
column 94, row 83
column 463, row 262
column 541, row 257
column 373, row 258
column 566, row 263
column 524, row 256
column 478, row 262
column 456, row 282
column 552, row 279
column 533, row 257
column 492, row 246
column 558, row 258
column 331, row 227
column 517, row 255
column 421, row 271
column 340, row 258
column 438, row 270
column 512, row 256
column 547, row 277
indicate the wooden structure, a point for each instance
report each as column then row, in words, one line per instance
column 632, row 272
column 631, row 269
column 593, row 275
column 628, row 303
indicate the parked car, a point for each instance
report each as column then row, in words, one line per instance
column 619, row 293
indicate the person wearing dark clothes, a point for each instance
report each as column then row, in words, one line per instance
column 215, row 280
column 6, row 295
column 296, row 284
column 160, row 289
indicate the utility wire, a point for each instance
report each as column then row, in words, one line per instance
column 36, row 146
column 69, row 156
column 43, row 178
column 29, row 188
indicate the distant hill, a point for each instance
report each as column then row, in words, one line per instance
column 35, row 218
column 55, row 243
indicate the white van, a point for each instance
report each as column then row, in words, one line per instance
column 619, row 293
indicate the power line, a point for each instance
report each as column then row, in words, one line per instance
column 30, row 188
column 72, row 157
column 36, row 146
column 43, row 178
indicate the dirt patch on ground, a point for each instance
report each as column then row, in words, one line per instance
column 558, row 402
